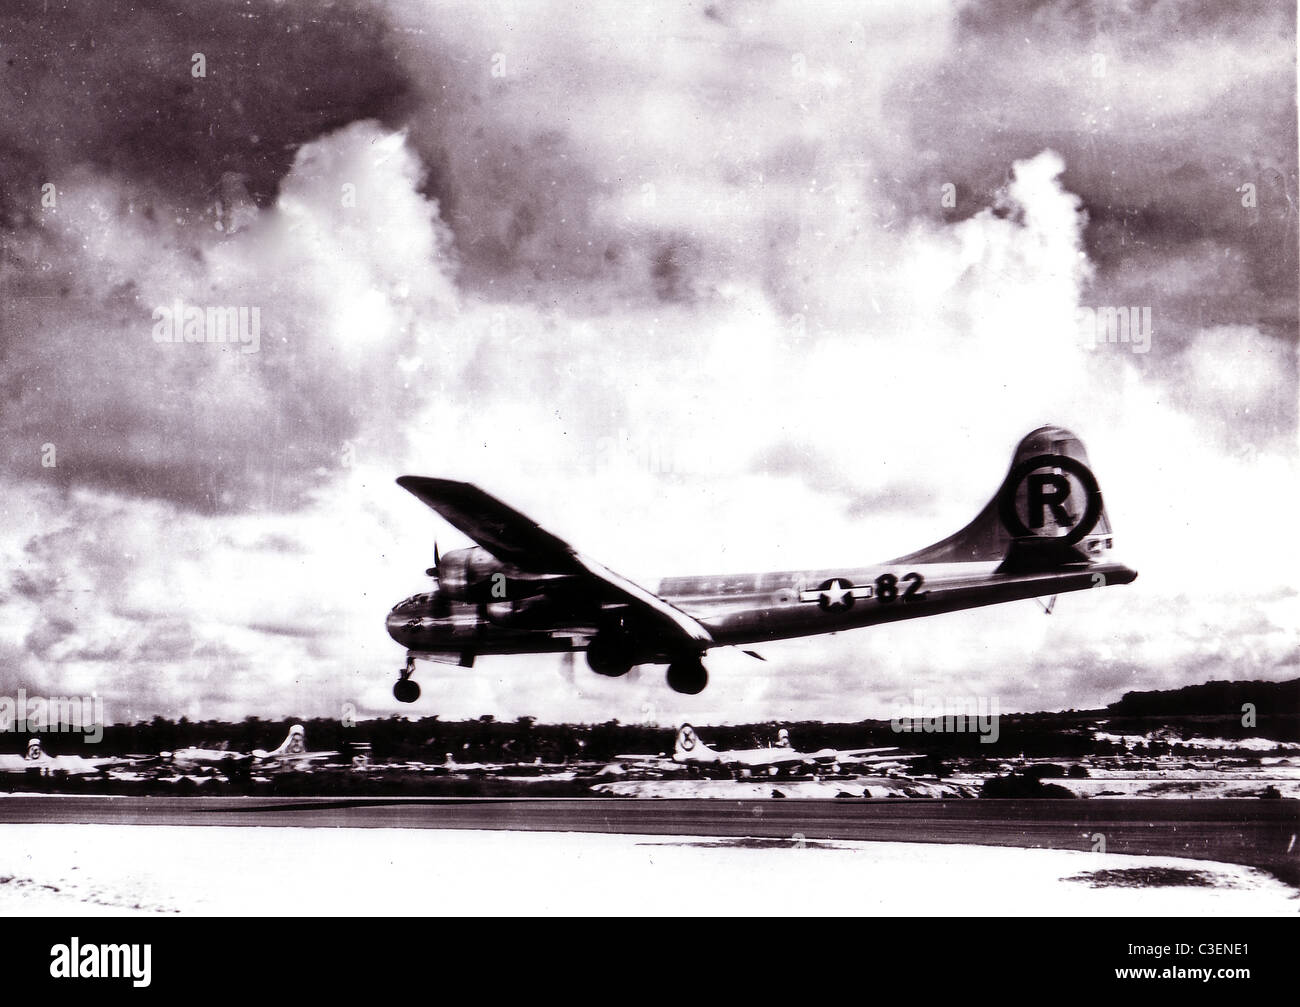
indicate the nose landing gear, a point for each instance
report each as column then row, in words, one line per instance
column 406, row 689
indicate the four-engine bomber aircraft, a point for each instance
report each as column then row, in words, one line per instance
column 35, row 759
column 522, row 590
column 690, row 750
column 292, row 752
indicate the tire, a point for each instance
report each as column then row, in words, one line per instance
column 688, row 677
column 610, row 654
column 406, row 690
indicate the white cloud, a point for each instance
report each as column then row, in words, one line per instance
column 677, row 248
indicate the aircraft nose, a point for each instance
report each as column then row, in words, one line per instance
column 396, row 624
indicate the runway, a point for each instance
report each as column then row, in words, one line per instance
column 1250, row 832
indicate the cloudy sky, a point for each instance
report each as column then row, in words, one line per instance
column 702, row 287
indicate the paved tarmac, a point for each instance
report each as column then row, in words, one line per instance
column 1258, row 833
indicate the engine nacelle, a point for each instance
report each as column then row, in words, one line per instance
column 467, row 574
column 537, row 612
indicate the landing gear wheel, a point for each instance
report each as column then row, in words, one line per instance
column 688, row 676
column 610, row 653
column 406, row 690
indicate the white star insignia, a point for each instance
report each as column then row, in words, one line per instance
column 837, row 594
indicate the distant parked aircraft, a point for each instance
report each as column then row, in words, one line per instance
column 690, row 751
column 36, row 759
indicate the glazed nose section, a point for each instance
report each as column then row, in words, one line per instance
column 399, row 625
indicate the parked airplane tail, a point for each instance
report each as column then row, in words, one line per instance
column 783, row 738
column 688, row 743
column 34, row 751
column 1048, row 512
column 295, row 743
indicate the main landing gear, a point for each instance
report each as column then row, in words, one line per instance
column 688, row 675
column 611, row 653
column 406, row 689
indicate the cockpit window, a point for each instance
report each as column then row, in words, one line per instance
column 413, row 603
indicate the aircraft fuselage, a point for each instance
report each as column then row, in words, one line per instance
column 738, row 609
column 522, row 589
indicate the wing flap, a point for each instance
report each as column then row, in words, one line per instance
column 669, row 616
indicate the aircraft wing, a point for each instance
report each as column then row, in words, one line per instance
column 764, row 757
column 291, row 757
column 668, row 617
column 518, row 540
column 863, row 760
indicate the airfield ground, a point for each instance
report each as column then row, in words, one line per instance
column 66, row 854
column 51, row 869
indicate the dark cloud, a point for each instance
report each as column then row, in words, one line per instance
column 686, row 262
column 154, row 171
column 110, row 84
column 1162, row 111
column 654, row 161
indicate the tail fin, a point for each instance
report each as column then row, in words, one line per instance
column 34, row 750
column 294, row 743
column 1047, row 513
column 783, row 738
column 688, row 743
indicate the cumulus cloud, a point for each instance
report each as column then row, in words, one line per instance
column 773, row 286
column 349, row 272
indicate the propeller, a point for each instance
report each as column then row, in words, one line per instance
column 441, row 605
